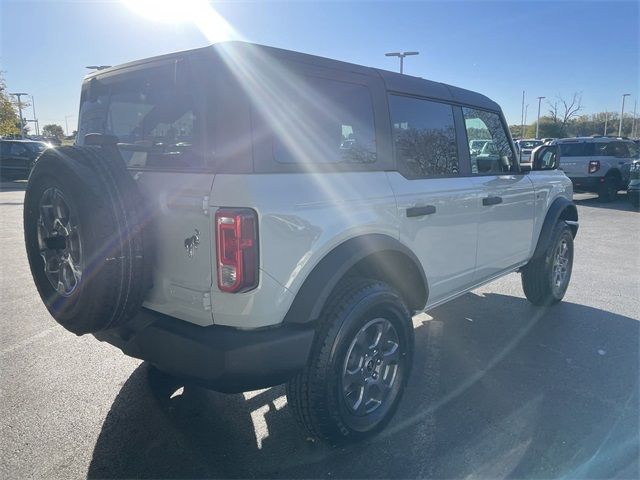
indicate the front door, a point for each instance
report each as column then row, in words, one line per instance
column 506, row 201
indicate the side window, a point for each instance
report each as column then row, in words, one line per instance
column 581, row 149
column 18, row 150
column 424, row 135
column 634, row 150
column 489, row 145
column 619, row 150
column 319, row 121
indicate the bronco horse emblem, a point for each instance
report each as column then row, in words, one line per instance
column 191, row 243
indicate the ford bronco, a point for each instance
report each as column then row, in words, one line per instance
column 241, row 216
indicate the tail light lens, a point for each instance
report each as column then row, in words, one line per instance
column 594, row 166
column 237, row 249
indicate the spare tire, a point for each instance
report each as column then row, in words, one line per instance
column 84, row 232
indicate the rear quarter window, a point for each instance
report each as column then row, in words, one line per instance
column 317, row 121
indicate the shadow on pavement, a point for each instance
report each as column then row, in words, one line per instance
column 620, row 203
column 13, row 185
column 499, row 389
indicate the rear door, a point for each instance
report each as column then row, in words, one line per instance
column 435, row 201
column 17, row 159
column 506, row 204
column 155, row 113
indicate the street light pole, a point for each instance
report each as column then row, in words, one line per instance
column 66, row 123
column 33, row 105
column 20, row 112
column 622, row 113
column 538, row 120
column 401, row 55
column 633, row 123
column 526, row 109
column 606, row 119
column 522, row 121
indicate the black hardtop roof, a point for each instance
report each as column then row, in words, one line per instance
column 394, row 82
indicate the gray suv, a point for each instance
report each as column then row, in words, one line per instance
column 598, row 164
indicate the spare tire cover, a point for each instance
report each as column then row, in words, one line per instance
column 84, row 220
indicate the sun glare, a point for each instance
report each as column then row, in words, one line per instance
column 197, row 12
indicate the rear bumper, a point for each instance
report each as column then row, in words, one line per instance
column 217, row 357
column 586, row 184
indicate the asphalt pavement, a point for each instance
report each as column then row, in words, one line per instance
column 499, row 388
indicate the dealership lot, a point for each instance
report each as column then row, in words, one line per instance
column 499, row 388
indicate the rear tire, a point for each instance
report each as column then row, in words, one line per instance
column 359, row 364
column 83, row 218
column 608, row 190
column 545, row 280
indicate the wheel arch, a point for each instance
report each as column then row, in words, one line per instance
column 376, row 256
column 561, row 209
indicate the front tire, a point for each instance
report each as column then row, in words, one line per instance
column 545, row 280
column 359, row 364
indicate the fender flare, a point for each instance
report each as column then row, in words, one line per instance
column 381, row 253
column 560, row 209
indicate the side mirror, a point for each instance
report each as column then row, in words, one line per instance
column 545, row 157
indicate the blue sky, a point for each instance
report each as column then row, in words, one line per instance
column 497, row 48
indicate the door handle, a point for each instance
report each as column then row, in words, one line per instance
column 491, row 201
column 421, row 211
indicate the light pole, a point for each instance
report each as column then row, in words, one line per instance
column 538, row 120
column 606, row 119
column 35, row 119
column 622, row 113
column 20, row 112
column 526, row 109
column 66, row 123
column 522, row 117
column 401, row 55
column 633, row 123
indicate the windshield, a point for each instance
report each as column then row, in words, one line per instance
column 38, row 146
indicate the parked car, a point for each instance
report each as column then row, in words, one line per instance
column 633, row 190
column 18, row 156
column 251, row 216
column 598, row 164
column 525, row 147
column 476, row 146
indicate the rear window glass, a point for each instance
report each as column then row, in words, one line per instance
column 152, row 116
column 319, row 121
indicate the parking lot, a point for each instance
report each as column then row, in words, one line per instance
column 499, row 388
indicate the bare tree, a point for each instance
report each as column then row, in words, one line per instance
column 563, row 111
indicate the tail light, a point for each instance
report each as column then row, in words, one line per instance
column 237, row 249
column 594, row 166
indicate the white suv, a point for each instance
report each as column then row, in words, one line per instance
column 598, row 164
column 242, row 216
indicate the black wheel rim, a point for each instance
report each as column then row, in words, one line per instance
column 561, row 267
column 371, row 367
column 59, row 242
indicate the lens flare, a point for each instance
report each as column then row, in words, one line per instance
column 197, row 12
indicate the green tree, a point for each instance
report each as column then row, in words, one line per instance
column 53, row 130
column 548, row 129
column 9, row 120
